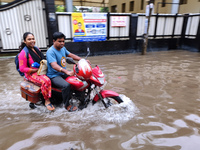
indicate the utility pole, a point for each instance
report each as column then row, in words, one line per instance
column 149, row 9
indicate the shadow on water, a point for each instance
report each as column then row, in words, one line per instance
column 160, row 110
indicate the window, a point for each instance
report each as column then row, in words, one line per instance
column 114, row 8
column 152, row 1
column 4, row 2
column 183, row 2
column 123, row 7
column 163, row 3
column 131, row 6
column 142, row 5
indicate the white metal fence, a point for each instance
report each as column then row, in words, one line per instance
column 120, row 31
column 192, row 25
column 168, row 25
column 161, row 26
column 65, row 26
column 22, row 17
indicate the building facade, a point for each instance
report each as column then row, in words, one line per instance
column 160, row 6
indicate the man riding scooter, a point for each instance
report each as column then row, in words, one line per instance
column 57, row 72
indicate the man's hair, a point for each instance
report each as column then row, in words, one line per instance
column 58, row 35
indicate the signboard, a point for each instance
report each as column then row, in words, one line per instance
column 118, row 21
column 89, row 26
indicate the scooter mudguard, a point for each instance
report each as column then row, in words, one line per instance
column 104, row 94
column 77, row 84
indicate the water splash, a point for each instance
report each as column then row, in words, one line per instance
column 117, row 113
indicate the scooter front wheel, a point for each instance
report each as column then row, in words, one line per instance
column 109, row 101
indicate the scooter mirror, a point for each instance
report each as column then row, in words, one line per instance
column 88, row 52
column 70, row 60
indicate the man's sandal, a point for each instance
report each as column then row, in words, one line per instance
column 50, row 107
column 71, row 108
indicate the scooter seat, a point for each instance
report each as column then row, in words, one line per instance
column 56, row 89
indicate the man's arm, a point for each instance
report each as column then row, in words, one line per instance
column 75, row 57
column 56, row 67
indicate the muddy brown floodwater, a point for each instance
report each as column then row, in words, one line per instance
column 161, row 108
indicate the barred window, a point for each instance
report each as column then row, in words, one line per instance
column 142, row 5
column 163, row 3
column 114, row 8
column 123, row 7
column 131, row 6
column 183, row 2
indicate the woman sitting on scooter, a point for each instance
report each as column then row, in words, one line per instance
column 34, row 55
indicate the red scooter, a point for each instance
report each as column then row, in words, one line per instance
column 86, row 86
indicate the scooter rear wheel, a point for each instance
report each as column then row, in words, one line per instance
column 32, row 105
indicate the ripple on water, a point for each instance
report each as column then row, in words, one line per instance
column 171, row 110
column 41, row 134
column 180, row 123
column 194, row 118
column 165, row 136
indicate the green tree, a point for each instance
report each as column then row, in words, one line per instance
column 74, row 9
column 104, row 9
column 60, row 8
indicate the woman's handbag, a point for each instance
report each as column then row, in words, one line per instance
column 43, row 67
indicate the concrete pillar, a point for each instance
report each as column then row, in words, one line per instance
column 175, row 7
column 69, row 5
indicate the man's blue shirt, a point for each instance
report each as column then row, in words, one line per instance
column 58, row 56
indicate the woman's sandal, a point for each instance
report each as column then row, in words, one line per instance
column 71, row 108
column 50, row 107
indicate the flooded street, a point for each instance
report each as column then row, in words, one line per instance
column 161, row 109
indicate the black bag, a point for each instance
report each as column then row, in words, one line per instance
column 17, row 61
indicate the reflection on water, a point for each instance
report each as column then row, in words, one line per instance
column 161, row 108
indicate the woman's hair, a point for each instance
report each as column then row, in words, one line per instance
column 58, row 35
column 24, row 38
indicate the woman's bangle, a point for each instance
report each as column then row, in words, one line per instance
column 61, row 69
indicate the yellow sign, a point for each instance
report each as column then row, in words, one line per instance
column 78, row 24
column 89, row 26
